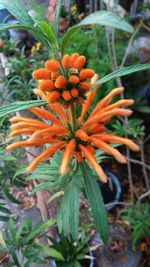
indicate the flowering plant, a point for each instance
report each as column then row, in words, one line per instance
column 67, row 122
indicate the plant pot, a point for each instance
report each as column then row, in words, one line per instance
column 111, row 191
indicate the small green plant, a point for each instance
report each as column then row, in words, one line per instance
column 139, row 220
column 22, row 246
column 73, row 252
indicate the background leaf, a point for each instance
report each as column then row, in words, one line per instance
column 18, row 10
column 68, row 212
column 18, row 106
column 103, row 18
column 57, row 15
column 122, row 72
column 96, row 202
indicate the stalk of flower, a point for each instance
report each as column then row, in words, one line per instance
column 75, row 137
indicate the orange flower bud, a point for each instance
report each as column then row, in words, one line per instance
column 86, row 74
column 79, row 156
column 65, row 61
column 66, row 95
column 52, row 65
column 46, row 85
column 41, row 74
column 60, row 82
column 53, row 96
column 91, row 149
column 79, row 62
column 85, row 86
column 82, row 135
column 73, row 79
column 54, row 75
column 74, row 92
column 73, row 57
column 80, row 101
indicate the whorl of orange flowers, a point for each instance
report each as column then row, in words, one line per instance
column 66, row 81
column 76, row 137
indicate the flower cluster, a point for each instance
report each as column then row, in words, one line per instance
column 66, row 81
column 76, row 137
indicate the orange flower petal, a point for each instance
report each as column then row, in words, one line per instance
column 73, row 79
column 52, row 65
column 47, row 153
column 22, row 131
column 67, row 156
column 46, row 115
column 93, row 162
column 66, row 61
column 53, row 96
column 79, row 62
column 60, row 82
column 108, row 149
column 90, row 96
column 46, row 85
column 91, row 149
column 73, row 57
column 79, row 156
column 120, row 140
column 82, row 135
column 66, row 95
column 41, row 74
column 86, row 74
column 85, row 86
column 74, row 92
column 107, row 99
column 41, row 94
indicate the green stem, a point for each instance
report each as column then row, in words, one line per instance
column 74, row 118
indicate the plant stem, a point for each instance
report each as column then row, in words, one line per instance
column 73, row 115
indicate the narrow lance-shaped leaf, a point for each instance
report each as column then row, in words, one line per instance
column 122, row 72
column 46, row 28
column 18, row 106
column 103, row 18
column 37, row 34
column 96, row 201
column 57, row 15
column 18, row 10
column 68, row 212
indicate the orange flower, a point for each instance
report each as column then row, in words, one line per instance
column 66, row 95
column 86, row 74
column 73, row 79
column 46, row 85
column 41, row 74
column 68, row 76
column 74, row 92
column 76, row 137
column 52, row 65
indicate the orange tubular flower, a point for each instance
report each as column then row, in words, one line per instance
column 63, row 78
column 76, row 137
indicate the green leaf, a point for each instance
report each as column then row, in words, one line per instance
column 10, row 196
column 57, row 15
column 44, row 186
column 46, row 28
column 68, row 212
column 144, row 109
column 52, row 252
column 96, row 201
column 35, row 16
column 18, row 106
column 122, row 72
column 18, row 10
column 38, row 34
column 2, row 241
column 56, row 195
column 103, row 18
column 40, row 228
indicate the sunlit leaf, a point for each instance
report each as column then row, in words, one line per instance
column 103, row 18
column 96, row 201
column 18, row 106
